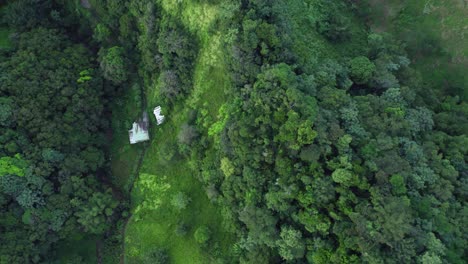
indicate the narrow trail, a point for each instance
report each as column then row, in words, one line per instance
column 137, row 172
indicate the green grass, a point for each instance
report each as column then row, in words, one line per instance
column 435, row 33
column 310, row 46
column 153, row 226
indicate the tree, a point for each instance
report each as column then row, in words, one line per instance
column 6, row 111
column 343, row 176
column 361, row 69
column 26, row 14
column 95, row 213
column 291, row 245
column 101, row 32
column 12, row 166
column 202, row 235
column 180, row 201
column 113, row 64
column 187, row 134
column 156, row 256
column 227, row 167
column 398, row 184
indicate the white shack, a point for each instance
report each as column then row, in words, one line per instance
column 157, row 114
column 139, row 131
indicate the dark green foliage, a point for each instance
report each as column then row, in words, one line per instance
column 53, row 104
column 177, row 50
column 316, row 167
column 181, row 229
column 333, row 24
column 157, row 256
column 26, row 14
column 101, row 32
column 6, row 112
column 340, row 157
column 180, row 201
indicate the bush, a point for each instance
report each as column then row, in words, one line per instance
column 361, row 69
column 202, row 235
column 187, row 134
column 180, row 200
column 113, row 64
column 157, row 256
column 334, row 27
column 181, row 229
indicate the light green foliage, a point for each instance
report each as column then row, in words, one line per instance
column 361, row 69
column 202, row 234
column 429, row 258
column 113, row 64
column 84, row 76
column 343, row 176
column 343, row 143
column 94, row 215
column 180, row 200
column 151, row 189
column 211, row 80
column 101, row 32
column 291, row 245
column 12, row 166
column 26, row 218
column 227, row 167
column 398, row 184
column 218, row 126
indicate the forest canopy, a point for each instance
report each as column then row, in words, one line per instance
column 324, row 143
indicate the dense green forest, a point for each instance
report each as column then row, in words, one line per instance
column 301, row 131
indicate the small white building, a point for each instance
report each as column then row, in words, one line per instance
column 157, row 114
column 139, row 131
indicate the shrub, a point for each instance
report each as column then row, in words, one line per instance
column 113, row 64
column 361, row 69
column 180, row 200
column 181, row 229
column 157, row 256
column 202, row 235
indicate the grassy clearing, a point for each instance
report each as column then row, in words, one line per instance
column 309, row 45
column 436, row 36
column 154, row 221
